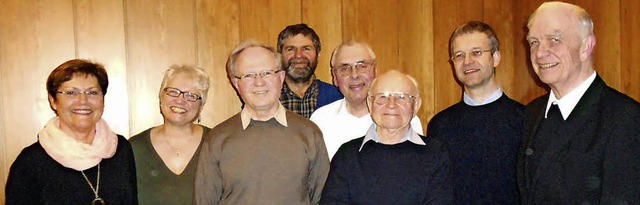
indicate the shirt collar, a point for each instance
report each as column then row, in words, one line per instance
column 410, row 135
column 343, row 111
column 313, row 88
column 570, row 100
column 280, row 116
column 495, row 96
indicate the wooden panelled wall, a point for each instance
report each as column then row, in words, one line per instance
column 138, row 39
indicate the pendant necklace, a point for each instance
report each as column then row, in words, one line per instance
column 95, row 190
column 177, row 149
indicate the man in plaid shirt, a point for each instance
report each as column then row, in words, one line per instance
column 302, row 92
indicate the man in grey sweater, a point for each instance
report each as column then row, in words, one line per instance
column 265, row 154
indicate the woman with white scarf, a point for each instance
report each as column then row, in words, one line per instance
column 77, row 158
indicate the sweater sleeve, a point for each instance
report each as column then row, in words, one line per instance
column 319, row 168
column 208, row 179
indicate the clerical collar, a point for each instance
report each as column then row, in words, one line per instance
column 495, row 96
column 410, row 135
column 570, row 100
column 280, row 116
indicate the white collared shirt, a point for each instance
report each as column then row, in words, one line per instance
column 411, row 136
column 280, row 116
column 339, row 126
column 570, row 100
column 495, row 96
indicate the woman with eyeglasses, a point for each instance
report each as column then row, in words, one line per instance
column 166, row 155
column 77, row 158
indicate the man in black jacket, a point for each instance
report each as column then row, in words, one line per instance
column 582, row 139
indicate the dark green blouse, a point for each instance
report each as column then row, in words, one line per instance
column 156, row 183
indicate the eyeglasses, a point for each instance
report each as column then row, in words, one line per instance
column 263, row 74
column 460, row 56
column 75, row 93
column 384, row 98
column 188, row 96
column 346, row 69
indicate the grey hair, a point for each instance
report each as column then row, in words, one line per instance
column 351, row 43
column 233, row 57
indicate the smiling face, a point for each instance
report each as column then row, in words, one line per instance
column 299, row 57
column 475, row 72
column 78, row 113
column 354, row 86
column 177, row 110
column 261, row 93
column 393, row 115
column 559, row 48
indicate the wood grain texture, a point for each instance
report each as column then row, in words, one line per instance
column 529, row 86
column 499, row 16
column 100, row 37
column 376, row 23
column 263, row 20
column 4, row 166
column 448, row 15
column 218, row 31
column 138, row 39
column 325, row 17
column 36, row 37
column 630, row 48
column 606, row 20
column 416, row 51
column 159, row 33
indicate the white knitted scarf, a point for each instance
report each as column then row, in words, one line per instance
column 74, row 154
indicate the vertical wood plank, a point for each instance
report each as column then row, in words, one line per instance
column 4, row 166
column 218, row 33
column 525, row 91
column 448, row 15
column 263, row 20
column 499, row 16
column 630, row 48
column 416, row 50
column 36, row 36
column 325, row 17
column 100, row 37
column 606, row 20
column 159, row 33
column 376, row 23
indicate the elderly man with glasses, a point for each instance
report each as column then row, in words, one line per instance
column 353, row 67
column 391, row 164
column 265, row 154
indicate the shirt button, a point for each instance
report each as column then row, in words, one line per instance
column 528, row 151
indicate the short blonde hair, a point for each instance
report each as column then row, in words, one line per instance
column 197, row 74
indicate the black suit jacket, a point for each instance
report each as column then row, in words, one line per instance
column 594, row 160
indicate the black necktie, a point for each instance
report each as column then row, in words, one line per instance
column 554, row 113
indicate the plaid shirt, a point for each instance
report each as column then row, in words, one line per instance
column 303, row 106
